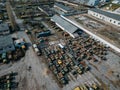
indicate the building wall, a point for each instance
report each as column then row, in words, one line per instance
column 105, row 18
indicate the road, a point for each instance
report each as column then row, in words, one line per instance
column 37, row 78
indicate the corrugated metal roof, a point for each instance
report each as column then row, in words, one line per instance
column 4, row 26
column 108, row 14
column 6, row 44
column 67, row 26
column 6, row 41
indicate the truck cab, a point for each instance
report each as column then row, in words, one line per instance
column 37, row 51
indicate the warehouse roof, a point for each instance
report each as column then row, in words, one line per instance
column 6, row 41
column 4, row 26
column 108, row 14
column 67, row 26
column 63, row 7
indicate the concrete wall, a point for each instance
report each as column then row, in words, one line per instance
column 105, row 18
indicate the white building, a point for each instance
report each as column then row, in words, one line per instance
column 104, row 0
column 116, row 1
column 106, row 16
column 93, row 2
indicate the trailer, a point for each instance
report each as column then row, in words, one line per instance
column 44, row 34
column 37, row 51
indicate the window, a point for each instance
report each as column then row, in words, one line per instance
column 114, row 21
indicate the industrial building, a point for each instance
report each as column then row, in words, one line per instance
column 6, row 44
column 4, row 29
column 90, row 3
column 93, row 2
column 62, row 7
column 105, row 16
column 96, row 2
column 65, row 25
column 47, row 10
column 33, row 2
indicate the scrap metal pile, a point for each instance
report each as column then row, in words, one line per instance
column 71, row 59
column 11, row 56
column 62, row 63
column 7, row 82
column 86, row 48
column 17, row 54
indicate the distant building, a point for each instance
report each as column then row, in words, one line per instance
column 104, row 0
column 90, row 2
column 93, row 2
column 4, row 29
column 62, row 7
column 42, row 2
column 116, row 1
column 106, row 16
column 6, row 44
column 80, row 1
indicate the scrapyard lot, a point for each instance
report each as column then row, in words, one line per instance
column 65, row 62
column 41, row 77
column 81, row 52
